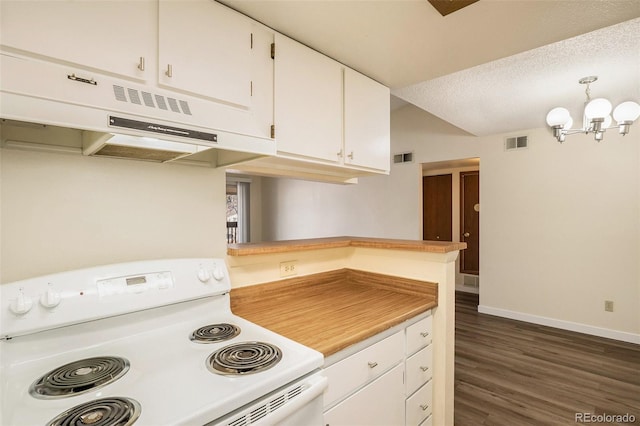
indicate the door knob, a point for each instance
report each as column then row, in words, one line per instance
column 466, row 234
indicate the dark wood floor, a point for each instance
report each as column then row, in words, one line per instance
column 514, row 373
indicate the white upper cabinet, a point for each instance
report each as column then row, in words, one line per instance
column 205, row 49
column 308, row 102
column 366, row 122
column 106, row 36
column 327, row 112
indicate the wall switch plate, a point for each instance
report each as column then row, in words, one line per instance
column 608, row 305
column 288, row 268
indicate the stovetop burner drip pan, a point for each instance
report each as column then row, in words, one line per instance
column 244, row 358
column 79, row 377
column 114, row 411
column 214, row 333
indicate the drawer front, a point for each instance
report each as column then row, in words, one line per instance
column 419, row 405
column 353, row 372
column 419, row 369
column 381, row 403
column 419, row 335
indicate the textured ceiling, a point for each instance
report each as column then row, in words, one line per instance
column 408, row 46
column 516, row 92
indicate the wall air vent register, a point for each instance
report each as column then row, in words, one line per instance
column 516, row 142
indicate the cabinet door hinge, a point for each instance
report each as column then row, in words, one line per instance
column 273, row 131
column 252, row 40
column 273, row 50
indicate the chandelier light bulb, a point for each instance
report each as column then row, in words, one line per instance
column 558, row 117
column 626, row 111
column 568, row 124
column 607, row 122
column 598, row 108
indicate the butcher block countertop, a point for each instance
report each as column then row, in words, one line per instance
column 331, row 311
column 337, row 242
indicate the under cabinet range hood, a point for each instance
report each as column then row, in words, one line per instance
column 136, row 147
column 126, row 119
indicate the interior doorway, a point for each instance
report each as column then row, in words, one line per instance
column 464, row 194
column 437, row 218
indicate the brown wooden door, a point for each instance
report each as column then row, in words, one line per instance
column 436, row 208
column 470, row 222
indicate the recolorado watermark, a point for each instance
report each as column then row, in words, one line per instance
column 604, row 418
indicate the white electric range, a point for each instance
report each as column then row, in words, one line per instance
column 147, row 343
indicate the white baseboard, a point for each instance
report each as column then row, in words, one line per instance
column 564, row 325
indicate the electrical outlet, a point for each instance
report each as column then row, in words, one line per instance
column 608, row 305
column 288, row 268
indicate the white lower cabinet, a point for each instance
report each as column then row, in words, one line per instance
column 386, row 383
column 379, row 403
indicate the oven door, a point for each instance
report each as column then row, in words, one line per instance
column 299, row 403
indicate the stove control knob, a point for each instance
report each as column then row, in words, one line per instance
column 21, row 304
column 218, row 274
column 50, row 299
column 204, row 275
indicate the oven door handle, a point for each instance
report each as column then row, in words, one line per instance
column 316, row 386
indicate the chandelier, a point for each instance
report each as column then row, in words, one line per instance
column 596, row 118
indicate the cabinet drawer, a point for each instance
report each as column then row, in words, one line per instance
column 349, row 374
column 419, row 369
column 419, row 405
column 419, row 335
column 379, row 403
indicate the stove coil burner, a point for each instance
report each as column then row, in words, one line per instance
column 214, row 333
column 79, row 377
column 244, row 358
column 114, row 411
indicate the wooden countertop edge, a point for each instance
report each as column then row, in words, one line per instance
column 337, row 346
column 338, row 242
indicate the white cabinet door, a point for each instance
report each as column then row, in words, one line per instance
column 109, row 36
column 366, row 122
column 308, row 102
column 379, row 403
column 205, row 49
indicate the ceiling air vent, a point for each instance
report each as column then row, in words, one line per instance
column 405, row 157
column 516, row 142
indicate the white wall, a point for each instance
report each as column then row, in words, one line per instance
column 560, row 224
column 62, row 211
column 301, row 209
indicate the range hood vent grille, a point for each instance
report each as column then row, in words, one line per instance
column 129, row 95
column 132, row 152
column 146, row 148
